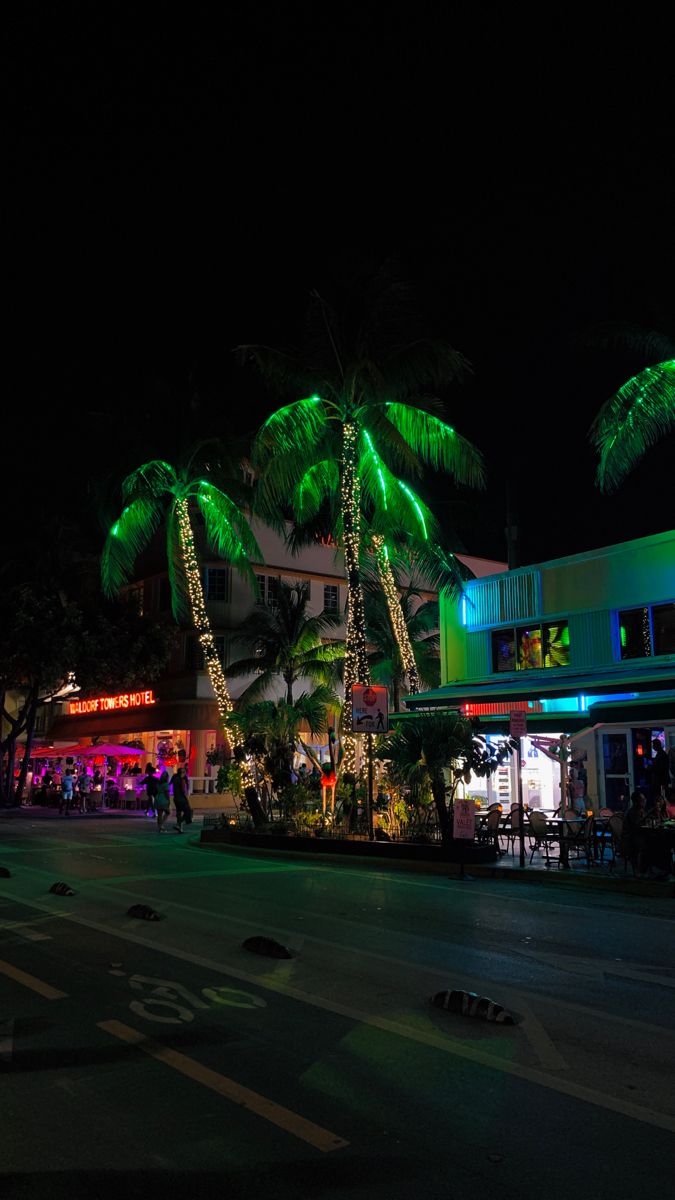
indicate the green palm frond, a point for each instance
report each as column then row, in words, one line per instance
column 180, row 599
column 155, row 478
column 441, row 569
column 319, row 483
column 312, row 708
column 649, row 345
column 293, row 429
column 635, row 418
column 438, row 444
column 227, row 531
column 128, row 537
column 396, row 510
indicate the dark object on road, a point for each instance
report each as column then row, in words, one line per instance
column 61, row 889
column 265, row 945
column 470, row 1004
column 5, row 873
column 143, row 912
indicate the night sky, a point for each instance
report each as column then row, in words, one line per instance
column 177, row 189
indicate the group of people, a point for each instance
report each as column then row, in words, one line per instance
column 159, row 791
column 647, row 852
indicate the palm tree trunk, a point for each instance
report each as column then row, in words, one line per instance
column 398, row 625
column 356, row 660
column 200, row 616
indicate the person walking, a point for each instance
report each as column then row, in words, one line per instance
column 162, row 800
column 84, row 786
column 66, row 793
column 150, row 783
column 181, row 791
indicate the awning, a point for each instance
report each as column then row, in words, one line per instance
column 179, row 714
column 644, row 709
column 551, row 722
column 547, row 685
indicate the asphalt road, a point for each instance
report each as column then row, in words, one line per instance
column 161, row 1059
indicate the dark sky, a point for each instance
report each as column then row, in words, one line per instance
column 177, row 189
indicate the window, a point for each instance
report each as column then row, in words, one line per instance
column 217, row 580
column 268, row 586
column 644, row 632
column 331, row 597
column 531, row 646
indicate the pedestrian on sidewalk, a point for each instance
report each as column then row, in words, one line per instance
column 84, row 785
column 150, row 783
column 181, row 792
column 67, row 783
column 162, row 801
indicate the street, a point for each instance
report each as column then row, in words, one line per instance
column 144, row 1058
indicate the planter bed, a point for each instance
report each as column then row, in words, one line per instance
column 464, row 852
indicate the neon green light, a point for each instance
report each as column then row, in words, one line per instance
column 622, row 634
column 115, row 529
column 376, row 460
column 412, row 497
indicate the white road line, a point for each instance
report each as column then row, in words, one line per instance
column 541, row 1043
column 444, row 1043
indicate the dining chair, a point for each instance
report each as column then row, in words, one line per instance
column 541, row 837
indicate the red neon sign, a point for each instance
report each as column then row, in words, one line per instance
column 111, row 703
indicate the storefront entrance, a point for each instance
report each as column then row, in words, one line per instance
column 626, row 764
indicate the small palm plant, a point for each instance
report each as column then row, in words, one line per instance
column 287, row 643
column 158, row 491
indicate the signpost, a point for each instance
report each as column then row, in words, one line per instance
column 464, row 819
column 518, row 730
column 370, row 714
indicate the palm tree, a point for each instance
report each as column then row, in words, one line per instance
column 269, row 731
column 420, row 633
column 441, row 749
column 642, row 411
column 366, row 409
column 158, row 491
column 287, row 642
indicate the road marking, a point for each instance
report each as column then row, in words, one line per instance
column 30, row 981
column 24, row 930
column 445, row 1044
column 6, row 1040
column 233, row 997
column 597, row 968
column 541, row 1043
column 292, row 1122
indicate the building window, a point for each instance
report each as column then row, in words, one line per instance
column 268, row 587
column 331, row 597
column 530, row 647
column 645, row 632
column 217, row 580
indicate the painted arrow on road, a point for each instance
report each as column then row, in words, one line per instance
column 6, row 1040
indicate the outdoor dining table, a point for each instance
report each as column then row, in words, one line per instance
column 556, row 822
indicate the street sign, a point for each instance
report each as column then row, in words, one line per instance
column 464, row 819
column 370, row 709
column 518, row 723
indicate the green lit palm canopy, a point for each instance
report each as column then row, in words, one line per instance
column 634, row 419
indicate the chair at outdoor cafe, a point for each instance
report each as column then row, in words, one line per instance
column 489, row 833
column 578, row 836
column 621, row 845
column 512, row 830
column 541, row 836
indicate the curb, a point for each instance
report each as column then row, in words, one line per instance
column 567, row 879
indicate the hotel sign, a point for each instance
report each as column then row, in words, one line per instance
column 103, row 704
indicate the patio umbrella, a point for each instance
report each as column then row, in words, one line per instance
column 107, row 750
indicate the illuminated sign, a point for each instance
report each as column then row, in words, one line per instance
column 370, row 709
column 102, row 704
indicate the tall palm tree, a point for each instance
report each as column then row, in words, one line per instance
column 286, row 642
column 387, row 663
column 366, row 409
column 158, row 491
column 642, row 411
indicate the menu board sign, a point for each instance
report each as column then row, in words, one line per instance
column 464, row 819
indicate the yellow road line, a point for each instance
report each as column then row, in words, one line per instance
column 29, row 981
column 307, row 1131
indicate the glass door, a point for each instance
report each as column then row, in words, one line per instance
column 616, row 775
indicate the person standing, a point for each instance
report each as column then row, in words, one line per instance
column 181, row 792
column 151, row 789
column 162, row 800
column 66, row 793
column 84, row 785
column 660, row 770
